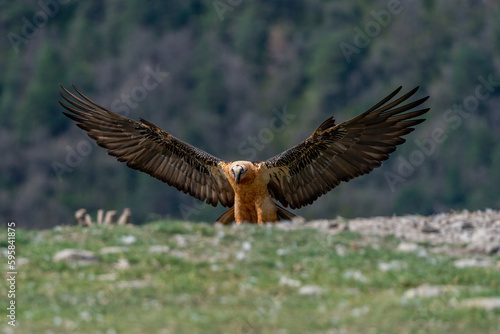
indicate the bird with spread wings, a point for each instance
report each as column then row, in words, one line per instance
column 294, row 178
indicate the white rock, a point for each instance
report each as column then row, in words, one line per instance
column 180, row 240
column 240, row 256
column 341, row 250
column 311, row 290
column 355, row 275
column 82, row 256
column 285, row 281
column 136, row 284
column 282, row 251
column 489, row 304
column 467, row 263
column 128, row 239
column 22, row 261
column 122, row 264
column 427, row 291
column 407, row 247
column 85, row 315
column 393, row 265
column 359, row 311
column 159, row 249
column 179, row 254
column 113, row 250
column 246, row 246
column 57, row 321
column 485, row 241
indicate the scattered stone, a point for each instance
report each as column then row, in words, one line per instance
column 85, row 316
column 57, row 321
column 22, row 261
column 136, row 284
column 179, row 254
column 240, row 256
column 285, row 281
column 451, row 250
column 180, row 240
column 393, row 265
column 156, row 249
column 422, row 253
column 311, row 290
column 429, row 229
column 485, row 241
column 220, row 235
column 341, row 250
column 282, row 251
column 333, row 226
column 355, row 275
column 454, row 228
column 298, row 220
column 122, row 264
column 113, row 250
column 407, row 247
column 80, row 256
column 427, row 291
column 467, row 226
column 128, row 239
column 467, row 263
column 359, row 311
column 488, row 304
column 246, row 246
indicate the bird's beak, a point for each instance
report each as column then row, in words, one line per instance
column 237, row 172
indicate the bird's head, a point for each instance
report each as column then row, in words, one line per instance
column 241, row 171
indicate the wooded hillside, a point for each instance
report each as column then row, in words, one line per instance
column 246, row 80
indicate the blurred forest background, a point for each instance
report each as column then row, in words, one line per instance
column 246, row 80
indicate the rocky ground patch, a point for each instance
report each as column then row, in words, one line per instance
column 456, row 233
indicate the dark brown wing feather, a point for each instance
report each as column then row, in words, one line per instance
column 335, row 153
column 146, row 147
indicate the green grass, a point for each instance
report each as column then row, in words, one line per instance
column 212, row 285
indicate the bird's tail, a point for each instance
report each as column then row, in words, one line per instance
column 284, row 214
column 228, row 216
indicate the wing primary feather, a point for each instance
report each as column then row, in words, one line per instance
column 145, row 147
column 335, row 153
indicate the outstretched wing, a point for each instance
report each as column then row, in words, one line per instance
column 146, row 147
column 335, row 153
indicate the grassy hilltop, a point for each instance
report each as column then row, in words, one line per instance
column 180, row 277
